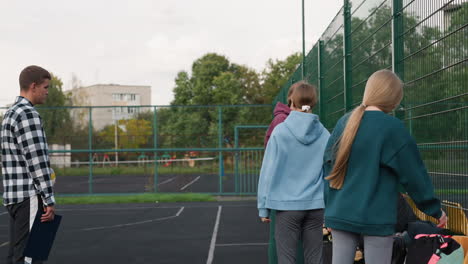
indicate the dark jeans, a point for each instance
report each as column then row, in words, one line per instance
column 20, row 226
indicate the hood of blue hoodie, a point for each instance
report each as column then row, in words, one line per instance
column 305, row 127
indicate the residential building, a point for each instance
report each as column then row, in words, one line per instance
column 120, row 99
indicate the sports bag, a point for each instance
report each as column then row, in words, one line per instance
column 434, row 249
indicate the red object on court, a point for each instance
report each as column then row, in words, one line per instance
column 169, row 161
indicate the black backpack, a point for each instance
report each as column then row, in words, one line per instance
column 434, row 249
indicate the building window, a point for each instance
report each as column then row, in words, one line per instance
column 124, row 97
column 133, row 110
column 118, row 97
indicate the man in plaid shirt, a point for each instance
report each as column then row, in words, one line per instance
column 26, row 168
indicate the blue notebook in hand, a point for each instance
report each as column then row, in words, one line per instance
column 41, row 238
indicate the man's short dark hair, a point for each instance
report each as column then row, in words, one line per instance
column 32, row 74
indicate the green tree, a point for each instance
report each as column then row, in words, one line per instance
column 217, row 81
column 56, row 120
column 250, row 81
column 183, row 91
column 145, row 115
column 204, row 71
column 276, row 74
column 214, row 81
column 131, row 134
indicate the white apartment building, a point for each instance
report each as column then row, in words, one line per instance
column 121, row 98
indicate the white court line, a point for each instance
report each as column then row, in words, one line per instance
column 166, row 181
column 242, row 244
column 3, row 213
column 449, row 174
column 135, row 223
column 190, row 183
column 213, row 238
column 129, row 161
column 4, row 244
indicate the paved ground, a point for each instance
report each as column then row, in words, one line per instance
column 454, row 185
column 142, row 183
column 210, row 183
column 166, row 183
column 214, row 232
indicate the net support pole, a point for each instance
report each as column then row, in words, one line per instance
column 220, row 145
column 236, row 164
column 155, row 145
column 398, row 51
column 90, row 147
column 303, row 41
column 320, row 81
column 348, row 96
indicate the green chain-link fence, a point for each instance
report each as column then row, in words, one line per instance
column 426, row 43
column 170, row 149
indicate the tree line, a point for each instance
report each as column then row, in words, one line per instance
column 191, row 119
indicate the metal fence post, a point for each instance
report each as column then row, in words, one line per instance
column 303, row 41
column 236, row 165
column 90, row 147
column 348, row 96
column 320, row 81
column 155, row 145
column 397, row 38
column 398, row 48
column 220, row 145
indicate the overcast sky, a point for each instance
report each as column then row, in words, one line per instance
column 146, row 42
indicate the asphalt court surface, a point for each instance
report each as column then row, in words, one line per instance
column 211, row 232
column 209, row 183
column 144, row 183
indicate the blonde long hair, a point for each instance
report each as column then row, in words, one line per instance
column 384, row 90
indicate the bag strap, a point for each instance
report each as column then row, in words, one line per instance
column 431, row 235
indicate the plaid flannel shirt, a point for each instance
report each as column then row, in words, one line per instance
column 25, row 158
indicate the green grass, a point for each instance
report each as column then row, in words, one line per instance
column 138, row 198
column 451, row 191
column 456, row 166
column 133, row 170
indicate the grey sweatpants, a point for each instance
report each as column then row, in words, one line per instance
column 292, row 225
column 377, row 249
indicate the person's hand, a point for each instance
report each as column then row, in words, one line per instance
column 49, row 213
column 442, row 220
column 265, row 220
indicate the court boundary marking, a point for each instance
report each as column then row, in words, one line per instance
column 190, row 183
column 213, row 237
column 135, row 223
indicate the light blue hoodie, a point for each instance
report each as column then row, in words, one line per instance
column 291, row 177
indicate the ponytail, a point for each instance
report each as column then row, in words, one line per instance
column 384, row 90
column 343, row 145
